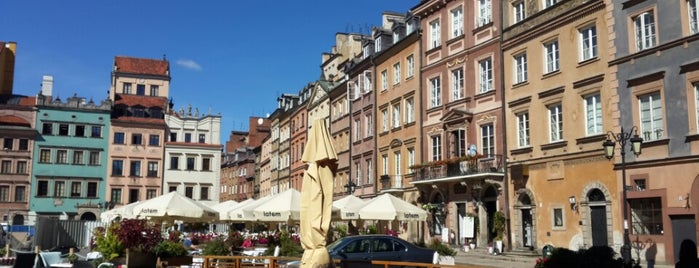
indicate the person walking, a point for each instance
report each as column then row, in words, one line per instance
column 688, row 255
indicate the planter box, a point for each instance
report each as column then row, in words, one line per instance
column 141, row 259
column 177, row 261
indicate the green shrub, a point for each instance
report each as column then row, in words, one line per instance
column 499, row 223
column 107, row 242
column 441, row 248
column 169, row 248
column 216, row 247
column 372, row 229
column 289, row 247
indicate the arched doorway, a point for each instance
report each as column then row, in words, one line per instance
column 598, row 217
column 18, row 219
column 88, row 216
column 527, row 223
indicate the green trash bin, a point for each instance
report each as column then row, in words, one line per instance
column 547, row 251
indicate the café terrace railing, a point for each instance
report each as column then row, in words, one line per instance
column 460, row 167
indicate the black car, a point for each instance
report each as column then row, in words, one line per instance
column 360, row 250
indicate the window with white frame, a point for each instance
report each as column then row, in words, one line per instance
column 459, row 137
column 397, row 169
column 485, row 81
column 457, row 22
column 593, row 114
column 555, row 122
column 523, row 129
column 520, row 68
column 396, row 73
column 396, row 37
column 484, row 12
column 411, row 157
column 518, row 12
column 457, row 84
column 411, row 65
column 644, row 28
column 369, row 171
column 366, row 80
column 357, row 130
column 588, row 43
column 693, row 16
column 384, row 120
column 551, row 57
column 368, row 126
column 436, row 147
column 409, row 27
column 487, row 140
column 549, row 3
column 435, row 92
column 435, row 34
column 358, row 172
column 651, row 114
column 384, row 80
column 61, row 156
column 396, row 115
column 377, row 44
column 409, row 110
column 384, row 164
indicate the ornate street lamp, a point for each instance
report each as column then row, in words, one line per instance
column 622, row 138
column 350, row 187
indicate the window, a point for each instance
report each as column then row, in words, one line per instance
column 80, row 131
column 357, row 130
column 409, row 110
column 646, row 216
column 396, row 37
column 384, row 164
column 47, row 129
column 457, row 84
column 487, row 140
column 174, row 162
column 119, row 138
column 369, row 129
column 409, row 27
column 518, row 12
column 397, row 168
column 436, row 147
column 116, row 195
column 4, row 194
column 96, row 132
column 588, row 43
column 45, row 156
column 61, row 157
column 141, row 89
column 42, row 188
column 384, row 80
column 21, row 167
column 202, row 138
column 63, row 129
column 152, row 169
column 75, row 189
column 189, row 191
column 136, row 139
column 435, row 34
column 520, row 68
column 377, row 44
column 651, row 116
column 206, row 164
column 693, row 16
column 20, row 194
column 557, row 217
column 78, row 158
column 435, row 92
column 6, row 167
column 411, row 157
column 204, row 193
column 549, row 3
column 411, row 65
column 555, row 122
column 396, row 73
column 154, row 90
column 127, row 88
column 23, row 144
column 593, row 114
column 551, row 57
column 696, row 103
column 188, row 137
column 523, row 129
column 190, row 163
column 484, row 12
column 384, row 120
column 457, row 22
column 154, row 140
column 94, row 158
column 135, row 170
column 173, row 137
column 485, row 82
column 59, row 188
column 92, row 189
column 369, row 172
column 133, row 195
column 172, row 189
column 7, row 143
column 644, row 27
column 117, row 167
column 151, row 193
column 396, row 116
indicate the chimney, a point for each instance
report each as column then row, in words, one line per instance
column 47, row 85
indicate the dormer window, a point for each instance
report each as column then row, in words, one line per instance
column 409, row 27
column 365, row 52
column 377, row 45
column 396, row 37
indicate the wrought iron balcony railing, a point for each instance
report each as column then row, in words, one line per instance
column 482, row 165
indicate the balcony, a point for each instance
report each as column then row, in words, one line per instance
column 460, row 168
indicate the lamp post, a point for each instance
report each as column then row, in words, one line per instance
column 350, row 187
column 622, row 138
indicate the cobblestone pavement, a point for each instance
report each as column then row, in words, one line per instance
column 480, row 258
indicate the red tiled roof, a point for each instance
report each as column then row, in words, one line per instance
column 11, row 120
column 136, row 100
column 27, row 101
column 132, row 119
column 141, row 66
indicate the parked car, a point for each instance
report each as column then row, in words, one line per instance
column 360, row 250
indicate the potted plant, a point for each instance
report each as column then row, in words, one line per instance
column 173, row 252
column 499, row 223
column 446, row 253
column 139, row 237
column 107, row 243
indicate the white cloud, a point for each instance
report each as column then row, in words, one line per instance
column 189, row 64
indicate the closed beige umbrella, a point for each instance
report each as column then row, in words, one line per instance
column 317, row 196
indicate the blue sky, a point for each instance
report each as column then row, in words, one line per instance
column 233, row 57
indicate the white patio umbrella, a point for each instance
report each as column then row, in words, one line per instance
column 389, row 207
column 174, row 206
column 282, row 207
column 348, row 207
column 124, row 212
column 220, row 207
column 243, row 212
column 223, row 211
